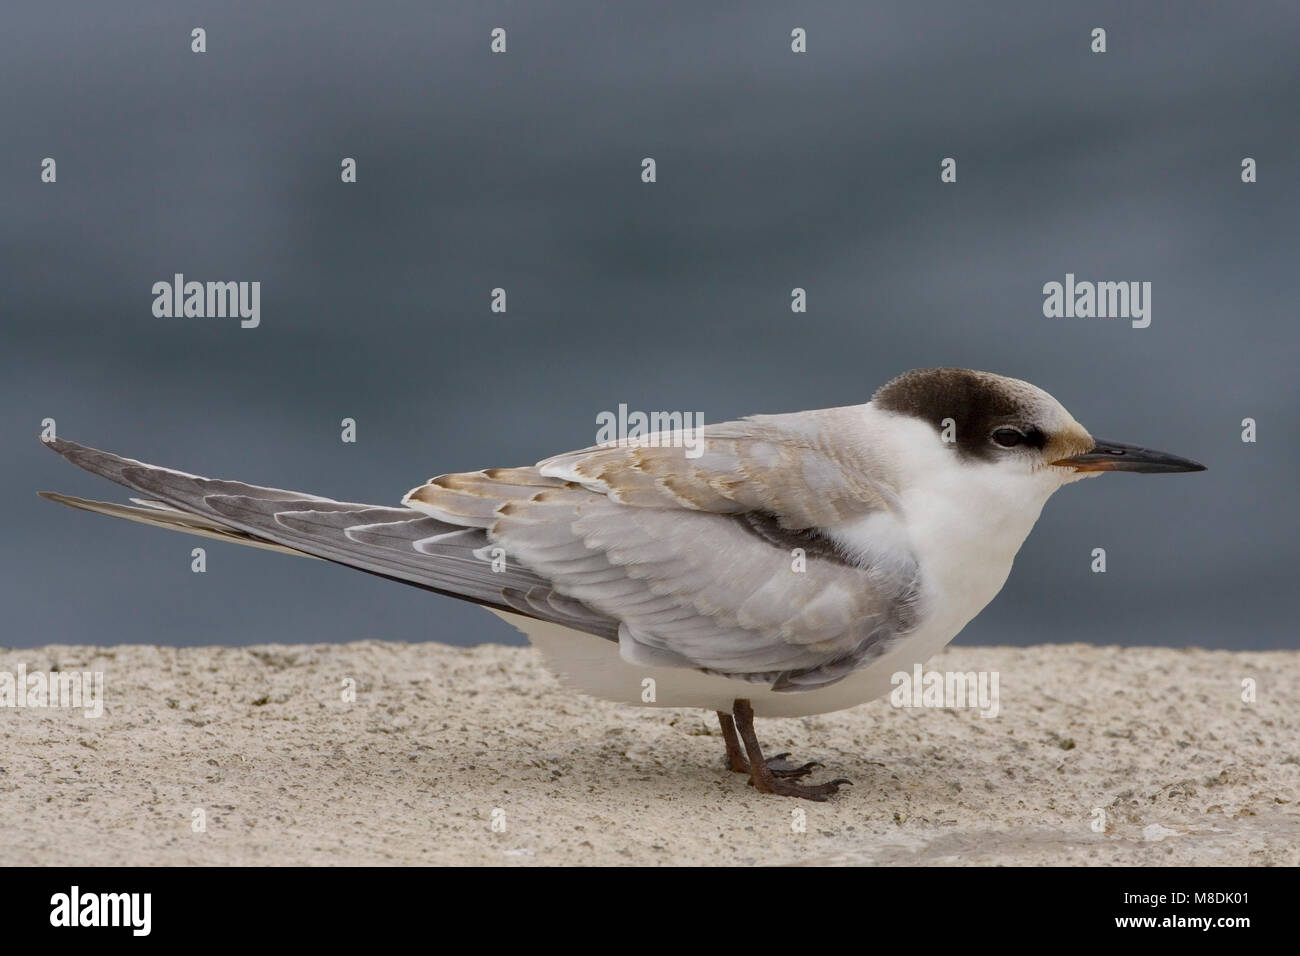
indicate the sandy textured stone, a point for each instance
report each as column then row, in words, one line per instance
column 287, row 772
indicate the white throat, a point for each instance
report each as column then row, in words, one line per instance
column 964, row 520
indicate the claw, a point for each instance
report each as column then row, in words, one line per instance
column 820, row 792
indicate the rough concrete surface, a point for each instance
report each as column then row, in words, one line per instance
column 1158, row 744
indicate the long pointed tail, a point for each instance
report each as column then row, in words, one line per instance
column 397, row 543
column 400, row 544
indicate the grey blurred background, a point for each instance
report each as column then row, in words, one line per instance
column 522, row 171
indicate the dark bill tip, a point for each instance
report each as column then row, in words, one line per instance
column 1117, row 456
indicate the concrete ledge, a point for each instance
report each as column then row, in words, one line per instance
column 1157, row 744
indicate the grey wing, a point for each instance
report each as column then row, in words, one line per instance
column 733, row 595
column 703, row 564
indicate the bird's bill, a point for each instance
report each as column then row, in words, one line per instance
column 1117, row 456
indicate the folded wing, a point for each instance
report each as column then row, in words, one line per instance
column 720, row 560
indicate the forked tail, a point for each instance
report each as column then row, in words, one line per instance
column 400, row 543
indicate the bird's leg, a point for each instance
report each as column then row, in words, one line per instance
column 736, row 762
column 735, row 755
column 765, row 777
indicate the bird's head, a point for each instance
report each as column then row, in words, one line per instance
column 1015, row 427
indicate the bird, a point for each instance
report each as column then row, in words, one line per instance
column 778, row 565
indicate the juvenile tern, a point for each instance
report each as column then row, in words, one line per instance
column 790, row 565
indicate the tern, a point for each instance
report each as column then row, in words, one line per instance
column 789, row 565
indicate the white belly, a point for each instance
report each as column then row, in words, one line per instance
column 592, row 665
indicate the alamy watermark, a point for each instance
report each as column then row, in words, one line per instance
column 978, row 689
column 208, row 300
column 82, row 690
column 1100, row 300
column 651, row 430
column 130, row 910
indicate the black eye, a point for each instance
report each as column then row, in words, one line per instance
column 1008, row 437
